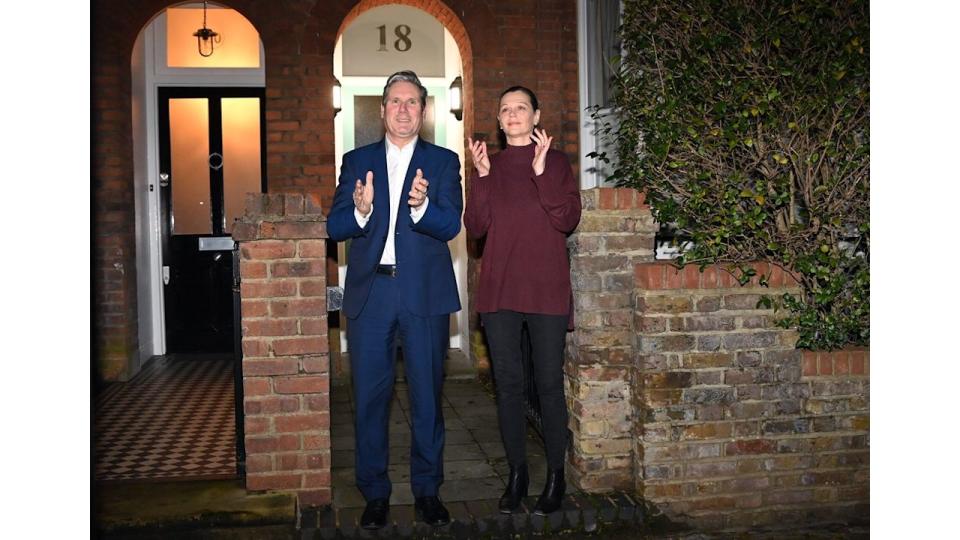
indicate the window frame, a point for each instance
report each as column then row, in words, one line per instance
column 591, row 171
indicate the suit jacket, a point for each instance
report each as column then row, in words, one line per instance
column 424, row 267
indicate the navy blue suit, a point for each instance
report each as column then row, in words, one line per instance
column 416, row 303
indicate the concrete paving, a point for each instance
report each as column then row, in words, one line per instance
column 475, row 466
column 475, row 472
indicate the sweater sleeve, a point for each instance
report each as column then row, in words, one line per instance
column 476, row 218
column 558, row 193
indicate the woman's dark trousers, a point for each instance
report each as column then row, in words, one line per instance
column 547, row 338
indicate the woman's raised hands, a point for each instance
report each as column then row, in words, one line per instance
column 543, row 141
column 478, row 153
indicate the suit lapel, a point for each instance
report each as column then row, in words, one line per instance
column 417, row 161
column 381, row 184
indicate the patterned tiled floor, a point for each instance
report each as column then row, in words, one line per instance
column 173, row 420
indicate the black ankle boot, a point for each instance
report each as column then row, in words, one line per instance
column 516, row 489
column 553, row 492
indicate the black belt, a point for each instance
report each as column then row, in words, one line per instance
column 387, row 269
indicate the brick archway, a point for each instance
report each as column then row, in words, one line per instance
column 452, row 23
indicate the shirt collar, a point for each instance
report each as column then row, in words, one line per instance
column 407, row 148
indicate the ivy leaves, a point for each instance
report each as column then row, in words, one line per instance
column 747, row 124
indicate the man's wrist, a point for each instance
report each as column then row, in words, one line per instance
column 362, row 219
column 417, row 213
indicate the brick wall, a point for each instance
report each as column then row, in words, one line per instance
column 286, row 359
column 529, row 42
column 113, row 251
column 615, row 234
column 709, row 410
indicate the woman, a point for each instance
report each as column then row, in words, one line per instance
column 525, row 201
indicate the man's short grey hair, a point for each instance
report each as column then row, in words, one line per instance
column 406, row 76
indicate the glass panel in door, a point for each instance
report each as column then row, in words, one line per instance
column 241, row 154
column 189, row 156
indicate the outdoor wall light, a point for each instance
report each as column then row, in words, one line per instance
column 206, row 37
column 337, row 105
column 456, row 98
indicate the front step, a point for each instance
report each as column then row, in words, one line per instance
column 192, row 509
column 580, row 512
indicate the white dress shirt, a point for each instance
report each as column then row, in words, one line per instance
column 398, row 161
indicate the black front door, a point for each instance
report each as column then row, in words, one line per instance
column 211, row 155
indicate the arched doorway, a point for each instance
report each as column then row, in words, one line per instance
column 197, row 136
column 202, row 96
column 374, row 41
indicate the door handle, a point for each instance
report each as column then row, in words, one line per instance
column 219, row 164
column 166, row 275
column 164, row 179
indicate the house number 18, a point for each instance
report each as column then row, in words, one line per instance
column 402, row 43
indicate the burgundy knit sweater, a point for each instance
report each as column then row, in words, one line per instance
column 526, row 219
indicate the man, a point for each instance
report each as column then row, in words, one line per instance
column 399, row 218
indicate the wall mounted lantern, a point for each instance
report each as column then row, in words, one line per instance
column 337, row 105
column 456, row 97
column 206, row 37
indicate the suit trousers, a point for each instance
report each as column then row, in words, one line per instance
column 547, row 339
column 372, row 341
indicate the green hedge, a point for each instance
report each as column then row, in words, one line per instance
column 747, row 124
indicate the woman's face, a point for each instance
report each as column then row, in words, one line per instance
column 517, row 117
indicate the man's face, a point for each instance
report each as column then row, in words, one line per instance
column 402, row 115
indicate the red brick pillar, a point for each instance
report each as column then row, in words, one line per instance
column 286, row 356
column 616, row 232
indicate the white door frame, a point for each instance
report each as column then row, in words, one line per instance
column 150, row 71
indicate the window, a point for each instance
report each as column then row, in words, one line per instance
column 599, row 42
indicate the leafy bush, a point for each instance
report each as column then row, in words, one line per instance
column 747, row 124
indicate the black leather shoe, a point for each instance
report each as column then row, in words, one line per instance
column 431, row 511
column 375, row 514
column 516, row 489
column 553, row 492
